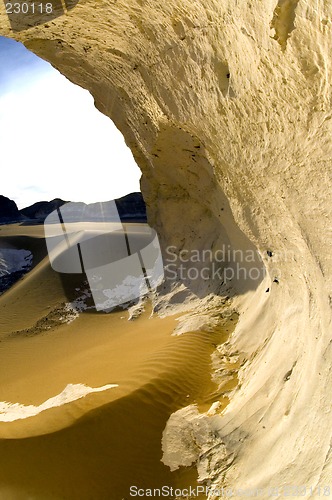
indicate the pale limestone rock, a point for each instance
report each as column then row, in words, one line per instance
column 227, row 109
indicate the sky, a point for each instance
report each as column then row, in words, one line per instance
column 53, row 141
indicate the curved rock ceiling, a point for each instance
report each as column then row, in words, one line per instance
column 226, row 106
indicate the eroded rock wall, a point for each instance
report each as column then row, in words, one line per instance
column 227, row 109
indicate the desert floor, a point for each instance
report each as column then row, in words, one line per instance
column 97, row 446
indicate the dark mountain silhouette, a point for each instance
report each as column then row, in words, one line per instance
column 40, row 210
column 130, row 207
column 9, row 213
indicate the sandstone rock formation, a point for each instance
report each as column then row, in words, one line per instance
column 226, row 107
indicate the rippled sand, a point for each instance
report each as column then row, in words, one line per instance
column 96, row 446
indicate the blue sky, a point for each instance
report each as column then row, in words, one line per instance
column 53, row 142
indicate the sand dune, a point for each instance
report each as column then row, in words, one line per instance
column 74, row 447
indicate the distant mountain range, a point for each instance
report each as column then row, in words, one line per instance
column 130, row 207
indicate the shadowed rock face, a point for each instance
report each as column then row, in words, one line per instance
column 8, row 211
column 226, row 107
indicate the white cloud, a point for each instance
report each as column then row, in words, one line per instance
column 54, row 143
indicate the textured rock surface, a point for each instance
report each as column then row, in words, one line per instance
column 227, row 109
